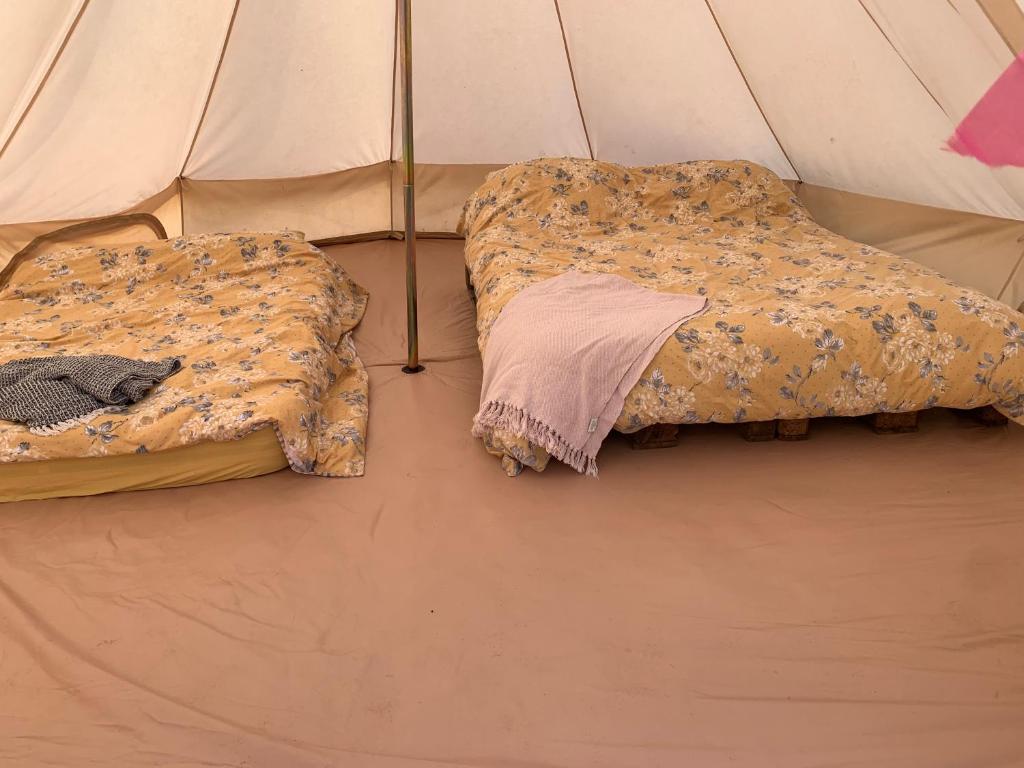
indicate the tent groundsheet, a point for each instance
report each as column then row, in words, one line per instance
column 851, row 600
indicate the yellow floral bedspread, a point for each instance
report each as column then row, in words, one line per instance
column 261, row 322
column 801, row 322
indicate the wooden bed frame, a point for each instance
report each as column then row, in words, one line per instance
column 667, row 435
column 790, row 430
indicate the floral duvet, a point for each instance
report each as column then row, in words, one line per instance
column 801, row 322
column 261, row 322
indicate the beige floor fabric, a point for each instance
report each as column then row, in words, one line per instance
column 850, row 601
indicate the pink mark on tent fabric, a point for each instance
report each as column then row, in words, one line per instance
column 993, row 131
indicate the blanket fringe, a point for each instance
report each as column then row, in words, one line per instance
column 63, row 426
column 496, row 414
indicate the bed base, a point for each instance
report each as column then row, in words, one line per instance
column 791, row 430
column 655, row 436
column 893, row 423
column 758, row 431
column 988, row 416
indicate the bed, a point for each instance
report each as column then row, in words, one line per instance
column 801, row 322
column 270, row 377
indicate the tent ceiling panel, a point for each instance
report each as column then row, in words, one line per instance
column 30, row 36
column 647, row 102
column 492, row 83
column 957, row 73
column 304, row 89
column 1007, row 16
column 107, row 101
column 111, row 125
column 974, row 17
column 848, row 108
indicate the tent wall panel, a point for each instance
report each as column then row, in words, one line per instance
column 980, row 251
column 848, row 108
column 491, row 84
column 650, row 103
column 349, row 202
column 266, row 114
column 955, row 74
column 108, row 131
column 302, row 90
column 975, row 18
column 31, row 34
column 1007, row 16
column 166, row 206
column 441, row 191
column 957, row 81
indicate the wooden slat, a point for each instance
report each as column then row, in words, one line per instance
column 893, row 423
column 793, row 429
column 757, row 431
column 655, row 436
column 988, row 416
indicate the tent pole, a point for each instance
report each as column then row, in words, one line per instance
column 408, row 188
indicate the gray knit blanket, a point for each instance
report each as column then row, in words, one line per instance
column 52, row 394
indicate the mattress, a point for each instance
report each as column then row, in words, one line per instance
column 801, row 321
column 258, row 453
column 261, row 322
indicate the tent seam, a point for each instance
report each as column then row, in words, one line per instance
column 998, row 28
column 750, row 90
column 974, row 32
column 1013, row 272
column 209, row 92
column 46, row 76
column 572, row 78
column 181, row 204
column 952, row 121
column 391, row 132
column 906, row 63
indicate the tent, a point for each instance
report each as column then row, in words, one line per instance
column 234, row 114
column 849, row 600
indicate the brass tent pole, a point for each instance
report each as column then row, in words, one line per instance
column 408, row 187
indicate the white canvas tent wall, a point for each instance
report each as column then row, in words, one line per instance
column 237, row 114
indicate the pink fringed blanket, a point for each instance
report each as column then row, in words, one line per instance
column 564, row 353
